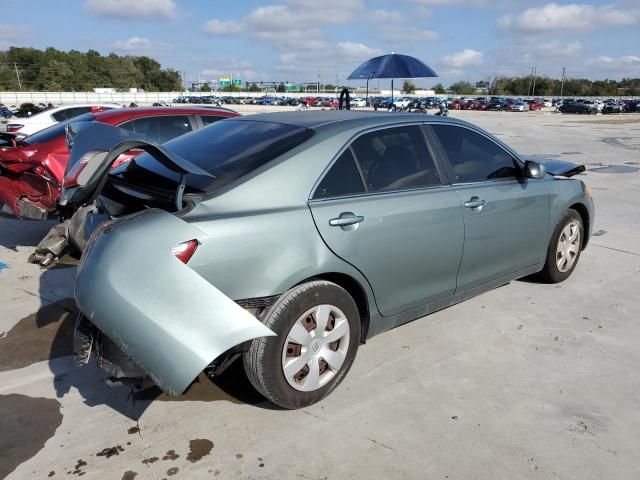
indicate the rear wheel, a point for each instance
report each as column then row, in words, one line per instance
column 564, row 248
column 317, row 328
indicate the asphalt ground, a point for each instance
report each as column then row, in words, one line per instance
column 529, row 381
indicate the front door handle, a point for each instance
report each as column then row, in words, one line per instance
column 345, row 219
column 474, row 202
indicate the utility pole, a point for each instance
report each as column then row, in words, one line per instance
column 535, row 71
column 15, row 66
column 562, row 83
column 530, row 81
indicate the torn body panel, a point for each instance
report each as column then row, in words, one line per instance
column 157, row 310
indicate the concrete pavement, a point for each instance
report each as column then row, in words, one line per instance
column 527, row 381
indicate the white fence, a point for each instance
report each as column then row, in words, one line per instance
column 148, row 98
column 125, row 98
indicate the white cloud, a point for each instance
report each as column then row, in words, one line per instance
column 394, row 28
column 356, row 51
column 435, row 3
column 138, row 45
column 297, row 29
column 406, row 34
column 385, row 16
column 133, row 9
column 220, row 27
column 467, row 57
column 555, row 17
column 626, row 60
column 8, row 32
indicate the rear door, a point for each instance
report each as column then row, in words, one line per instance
column 384, row 206
column 506, row 216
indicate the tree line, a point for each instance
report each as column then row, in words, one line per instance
column 55, row 70
column 545, row 86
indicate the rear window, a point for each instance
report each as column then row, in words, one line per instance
column 227, row 149
column 56, row 130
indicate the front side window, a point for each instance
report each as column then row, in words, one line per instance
column 395, row 159
column 473, row 157
column 159, row 129
column 342, row 179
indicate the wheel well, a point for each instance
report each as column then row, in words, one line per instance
column 584, row 214
column 354, row 289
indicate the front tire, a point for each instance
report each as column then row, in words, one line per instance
column 317, row 326
column 564, row 248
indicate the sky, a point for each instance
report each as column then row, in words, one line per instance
column 309, row 41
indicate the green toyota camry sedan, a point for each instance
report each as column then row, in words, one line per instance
column 285, row 240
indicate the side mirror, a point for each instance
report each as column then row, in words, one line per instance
column 534, row 169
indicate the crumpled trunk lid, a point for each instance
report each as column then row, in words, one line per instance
column 157, row 310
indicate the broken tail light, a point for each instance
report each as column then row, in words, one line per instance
column 14, row 127
column 185, row 250
column 72, row 176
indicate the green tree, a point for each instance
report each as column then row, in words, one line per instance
column 439, row 89
column 205, row 87
column 408, row 87
column 52, row 69
column 281, row 88
column 254, row 88
column 462, row 88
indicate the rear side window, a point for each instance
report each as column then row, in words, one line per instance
column 56, row 130
column 159, row 129
column 209, row 119
column 68, row 113
column 473, row 157
column 228, row 150
column 395, row 159
column 342, row 179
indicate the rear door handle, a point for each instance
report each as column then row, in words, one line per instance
column 474, row 202
column 346, row 219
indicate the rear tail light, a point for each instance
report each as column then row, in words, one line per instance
column 185, row 250
column 14, row 127
column 72, row 176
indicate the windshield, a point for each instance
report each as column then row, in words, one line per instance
column 228, row 149
column 55, row 131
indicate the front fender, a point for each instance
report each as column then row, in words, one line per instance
column 160, row 312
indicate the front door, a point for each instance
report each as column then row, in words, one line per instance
column 506, row 216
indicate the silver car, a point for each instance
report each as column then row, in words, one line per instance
column 288, row 239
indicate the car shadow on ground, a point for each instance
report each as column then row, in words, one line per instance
column 22, row 233
column 47, row 335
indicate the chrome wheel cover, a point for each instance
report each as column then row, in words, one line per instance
column 316, row 348
column 568, row 247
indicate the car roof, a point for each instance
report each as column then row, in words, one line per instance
column 345, row 118
column 114, row 116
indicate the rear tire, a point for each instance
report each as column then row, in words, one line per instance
column 564, row 248
column 297, row 367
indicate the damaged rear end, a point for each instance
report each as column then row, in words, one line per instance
column 135, row 286
column 27, row 188
column 144, row 310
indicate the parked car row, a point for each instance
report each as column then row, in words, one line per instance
column 266, row 239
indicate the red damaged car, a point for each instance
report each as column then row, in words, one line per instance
column 32, row 169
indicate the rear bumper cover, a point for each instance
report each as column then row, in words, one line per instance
column 155, row 309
